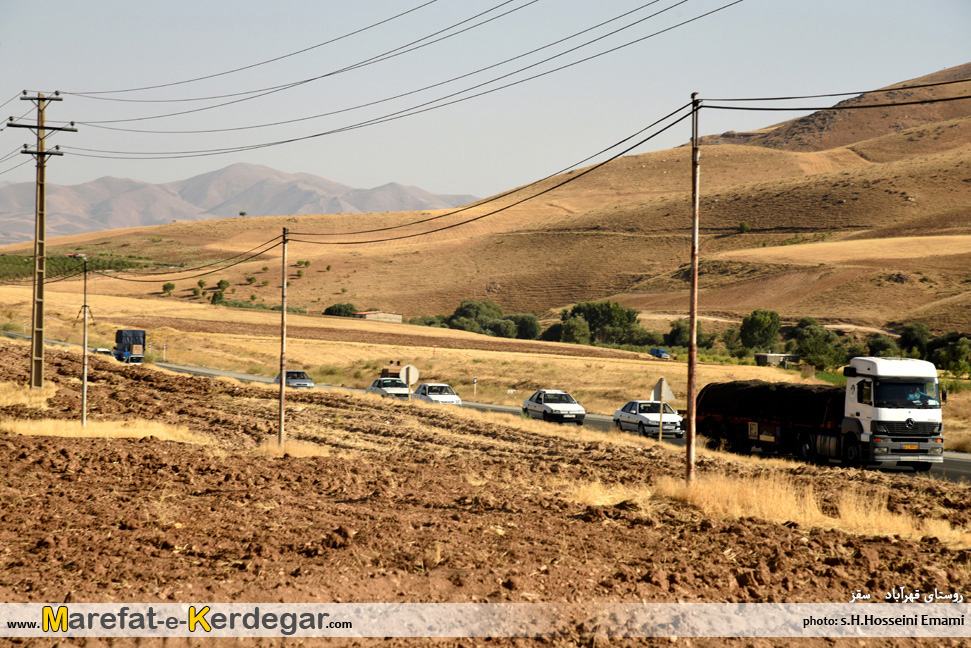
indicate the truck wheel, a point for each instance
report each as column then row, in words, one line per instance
column 851, row 452
column 807, row 452
column 922, row 466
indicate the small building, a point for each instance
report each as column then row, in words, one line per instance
column 379, row 316
column 776, row 359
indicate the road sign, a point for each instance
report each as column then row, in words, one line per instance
column 409, row 375
column 662, row 392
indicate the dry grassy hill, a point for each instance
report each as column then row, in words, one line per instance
column 858, row 179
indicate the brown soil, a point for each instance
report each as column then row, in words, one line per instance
column 410, row 504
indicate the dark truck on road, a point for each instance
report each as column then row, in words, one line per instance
column 129, row 346
column 888, row 413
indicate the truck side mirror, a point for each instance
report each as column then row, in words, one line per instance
column 849, row 372
column 943, row 394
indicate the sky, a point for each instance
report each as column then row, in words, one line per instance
column 480, row 145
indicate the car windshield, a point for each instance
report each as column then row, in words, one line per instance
column 558, row 398
column 392, row 382
column 440, row 390
column 299, row 375
column 914, row 394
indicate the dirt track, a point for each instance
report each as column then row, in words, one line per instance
column 411, row 504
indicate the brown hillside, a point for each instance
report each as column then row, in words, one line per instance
column 623, row 231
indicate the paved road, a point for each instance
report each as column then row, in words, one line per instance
column 956, row 465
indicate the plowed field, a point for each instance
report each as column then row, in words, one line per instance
column 409, row 504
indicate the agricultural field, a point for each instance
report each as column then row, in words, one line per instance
column 177, row 491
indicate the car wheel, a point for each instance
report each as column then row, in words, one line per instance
column 546, row 416
column 641, row 429
column 618, row 425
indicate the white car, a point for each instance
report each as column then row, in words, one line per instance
column 554, row 405
column 436, row 393
column 389, row 388
column 644, row 417
column 296, row 380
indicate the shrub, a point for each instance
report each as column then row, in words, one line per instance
column 744, row 227
column 223, row 284
column 499, row 327
column 251, row 280
column 201, row 283
column 527, row 326
column 265, row 283
column 196, row 292
column 168, row 287
column 341, row 310
column 217, row 297
column 575, row 331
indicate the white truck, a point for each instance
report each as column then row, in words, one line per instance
column 888, row 413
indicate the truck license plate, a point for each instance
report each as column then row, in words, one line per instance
column 910, row 447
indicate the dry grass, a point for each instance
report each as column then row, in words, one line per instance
column 778, row 499
column 131, row 429
column 15, row 394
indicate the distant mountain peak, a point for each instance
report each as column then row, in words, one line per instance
column 112, row 203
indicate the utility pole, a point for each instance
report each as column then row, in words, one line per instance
column 283, row 342
column 84, row 345
column 693, row 326
column 40, row 230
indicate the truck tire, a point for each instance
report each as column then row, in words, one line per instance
column 807, row 452
column 922, row 466
column 851, row 452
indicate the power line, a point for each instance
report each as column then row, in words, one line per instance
column 201, row 274
column 414, row 110
column 249, row 67
column 838, row 107
column 391, row 98
column 504, row 194
column 501, row 209
column 843, row 94
column 274, row 89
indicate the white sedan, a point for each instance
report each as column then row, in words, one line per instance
column 389, row 388
column 436, row 393
column 645, row 417
column 554, row 405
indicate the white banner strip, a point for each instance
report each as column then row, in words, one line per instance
column 484, row 620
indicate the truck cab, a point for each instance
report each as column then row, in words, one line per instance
column 893, row 412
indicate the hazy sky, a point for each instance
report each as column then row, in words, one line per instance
column 479, row 146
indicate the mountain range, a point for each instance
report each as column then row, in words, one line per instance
column 113, row 203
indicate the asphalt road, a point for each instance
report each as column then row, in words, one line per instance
column 956, row 465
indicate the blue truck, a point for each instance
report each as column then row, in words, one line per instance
column 129, row 346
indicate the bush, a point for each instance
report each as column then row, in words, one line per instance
column 223, row 284
column 575, row 331
column 744, row 227
column 167, row 288
column 499, row 327
column 341, row 310
column 465, row 324
column 527, row 326
column 553, row 334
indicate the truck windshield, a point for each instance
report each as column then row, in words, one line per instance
column 914, row 394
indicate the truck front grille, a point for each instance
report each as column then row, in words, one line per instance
column 923, row 428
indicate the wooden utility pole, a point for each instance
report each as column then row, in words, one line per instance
column 693, row 327
column 40, row 231
column 283, row 343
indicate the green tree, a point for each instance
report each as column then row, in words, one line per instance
column 527, row 326
column 217, row 297
column 819, row 346
column 222, row 285
column 251, row 280
column 465, row 324
column 760, row 329
column 605, row 318
column 341, row 310
column 201, row 283
column 168, row 287
column 914, row 338
column 499, row 327
column 576, row 331
column 881, row 346
column 479, row 309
